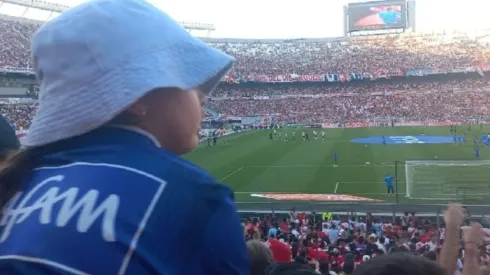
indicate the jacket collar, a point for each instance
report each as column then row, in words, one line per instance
column 138, row 131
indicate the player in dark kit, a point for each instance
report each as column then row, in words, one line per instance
column 271, row 137
column 307, row 138
column 215, row 138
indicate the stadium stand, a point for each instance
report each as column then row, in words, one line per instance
column 436, row 77
column 456, row 101
column 330, row 72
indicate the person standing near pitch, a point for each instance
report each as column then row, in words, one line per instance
column 389, row 185
column 335, row 158
column 477, row 152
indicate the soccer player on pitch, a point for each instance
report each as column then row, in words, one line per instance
column 335, row 158
column 389, row 184
column 477, row 152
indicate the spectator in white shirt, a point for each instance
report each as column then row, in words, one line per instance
column 381, row 244
column 432, row 244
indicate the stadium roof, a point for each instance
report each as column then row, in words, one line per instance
column 31, row 9
column 40, row 10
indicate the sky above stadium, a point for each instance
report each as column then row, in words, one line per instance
column 309, row 18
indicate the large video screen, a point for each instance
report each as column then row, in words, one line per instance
column 377, row 15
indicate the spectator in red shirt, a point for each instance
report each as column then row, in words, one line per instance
column 322, row 254
column 342, row 246
column 301, row 218
column 321, row 235
column 336, row 257
column 280, row 250
column 284, row 226
column 426, row 237
column 312, row 252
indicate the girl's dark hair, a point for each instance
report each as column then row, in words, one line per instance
column 14, row 169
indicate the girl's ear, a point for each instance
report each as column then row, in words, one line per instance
column 138, row 109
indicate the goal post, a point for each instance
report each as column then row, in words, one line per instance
column 447, row 179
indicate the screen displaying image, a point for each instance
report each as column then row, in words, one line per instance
column 376, row 17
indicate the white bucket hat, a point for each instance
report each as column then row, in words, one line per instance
column 96, row 59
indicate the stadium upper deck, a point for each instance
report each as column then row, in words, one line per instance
column 307, row 59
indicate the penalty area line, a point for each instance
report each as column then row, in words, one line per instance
column 308, row 193
column 232, row 173
column 318, row 166
column 336, row 188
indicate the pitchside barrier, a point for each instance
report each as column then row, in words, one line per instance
column 474, row 212
column 448, row 180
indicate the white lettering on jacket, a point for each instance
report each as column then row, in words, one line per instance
column 15, row 214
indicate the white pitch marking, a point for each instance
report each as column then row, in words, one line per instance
column 314, row 166
column 336, row 187
column 232, row 173
column 299, row 192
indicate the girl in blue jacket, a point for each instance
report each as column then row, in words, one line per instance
column 100, row 187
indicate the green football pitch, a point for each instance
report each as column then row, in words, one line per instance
column 258, row 168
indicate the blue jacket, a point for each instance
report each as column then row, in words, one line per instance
column 113, row 202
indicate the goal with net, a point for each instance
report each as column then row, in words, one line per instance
column 447, row 180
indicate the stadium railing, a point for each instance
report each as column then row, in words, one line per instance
column 344, row 208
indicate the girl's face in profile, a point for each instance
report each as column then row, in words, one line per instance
column 173, row 116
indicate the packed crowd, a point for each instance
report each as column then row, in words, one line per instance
column 322, row 104
column 442, row 52
column 455, row 101
column 439, row 101
column 438, row 51
column 333, row 245
column 364, row 87
column 19, row 115
column 15, row 43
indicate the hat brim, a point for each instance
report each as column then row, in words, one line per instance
column 83, row 108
